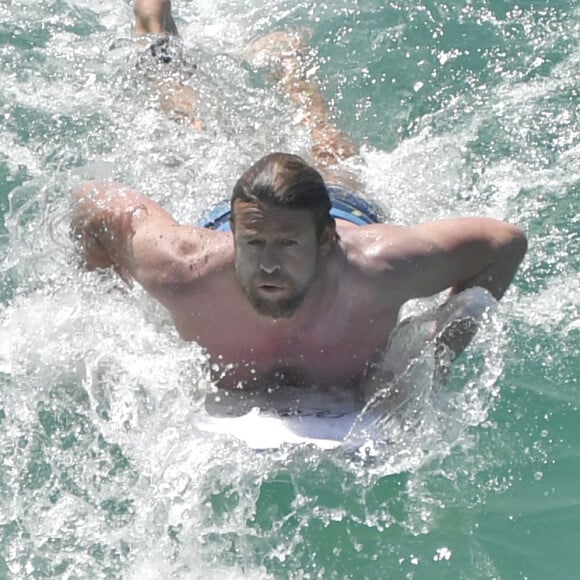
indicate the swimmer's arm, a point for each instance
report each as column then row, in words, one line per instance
column 456, row 254
column 499, row 248
column 120, row 228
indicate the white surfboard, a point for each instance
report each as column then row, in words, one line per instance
column 295, row 416
column 269, row 429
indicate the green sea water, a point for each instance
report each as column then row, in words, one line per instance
column 461, row 108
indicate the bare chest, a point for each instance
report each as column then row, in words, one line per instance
column 334, row 350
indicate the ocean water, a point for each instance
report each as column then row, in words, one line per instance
column 460, row 107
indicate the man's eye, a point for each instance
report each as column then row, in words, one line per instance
column 287, row 242
column 254, row 243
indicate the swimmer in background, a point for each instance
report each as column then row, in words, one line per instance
column 280, row 50
column 306, row 288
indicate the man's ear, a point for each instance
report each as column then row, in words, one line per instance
column 327, row 238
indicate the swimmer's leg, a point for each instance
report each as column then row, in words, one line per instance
column 282, row 53
column 154, row 17
column 177, row 100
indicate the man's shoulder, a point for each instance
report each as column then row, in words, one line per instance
column 379, row 262
column 373, row 246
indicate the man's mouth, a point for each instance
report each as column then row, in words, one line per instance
column 271, row 288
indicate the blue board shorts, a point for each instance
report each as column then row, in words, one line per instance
column 346, row 205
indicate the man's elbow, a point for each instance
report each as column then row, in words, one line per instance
column 513, row 248
column 85, row 208
column 516, row 243
column 508, row 245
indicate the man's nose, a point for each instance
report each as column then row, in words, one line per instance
column 269, row 260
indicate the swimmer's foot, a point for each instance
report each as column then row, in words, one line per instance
column 279, row 52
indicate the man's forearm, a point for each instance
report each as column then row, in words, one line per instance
column 455, row 335
column 498, row 275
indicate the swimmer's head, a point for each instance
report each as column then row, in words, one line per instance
column 286, row 181
column 282, row 228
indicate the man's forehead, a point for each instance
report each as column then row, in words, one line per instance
column 256, row 215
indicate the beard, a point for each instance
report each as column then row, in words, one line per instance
column 276, row 307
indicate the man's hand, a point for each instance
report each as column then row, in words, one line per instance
column 95, row 254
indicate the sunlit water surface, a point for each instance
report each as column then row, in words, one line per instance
column 461, row 108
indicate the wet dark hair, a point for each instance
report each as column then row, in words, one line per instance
column 286, row 180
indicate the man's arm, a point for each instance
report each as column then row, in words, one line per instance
column 117, row 226
column 461, row 253
column 456, row 254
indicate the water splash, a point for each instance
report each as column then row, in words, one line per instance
column 103, row 474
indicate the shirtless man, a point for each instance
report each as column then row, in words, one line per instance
column 298, row 292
